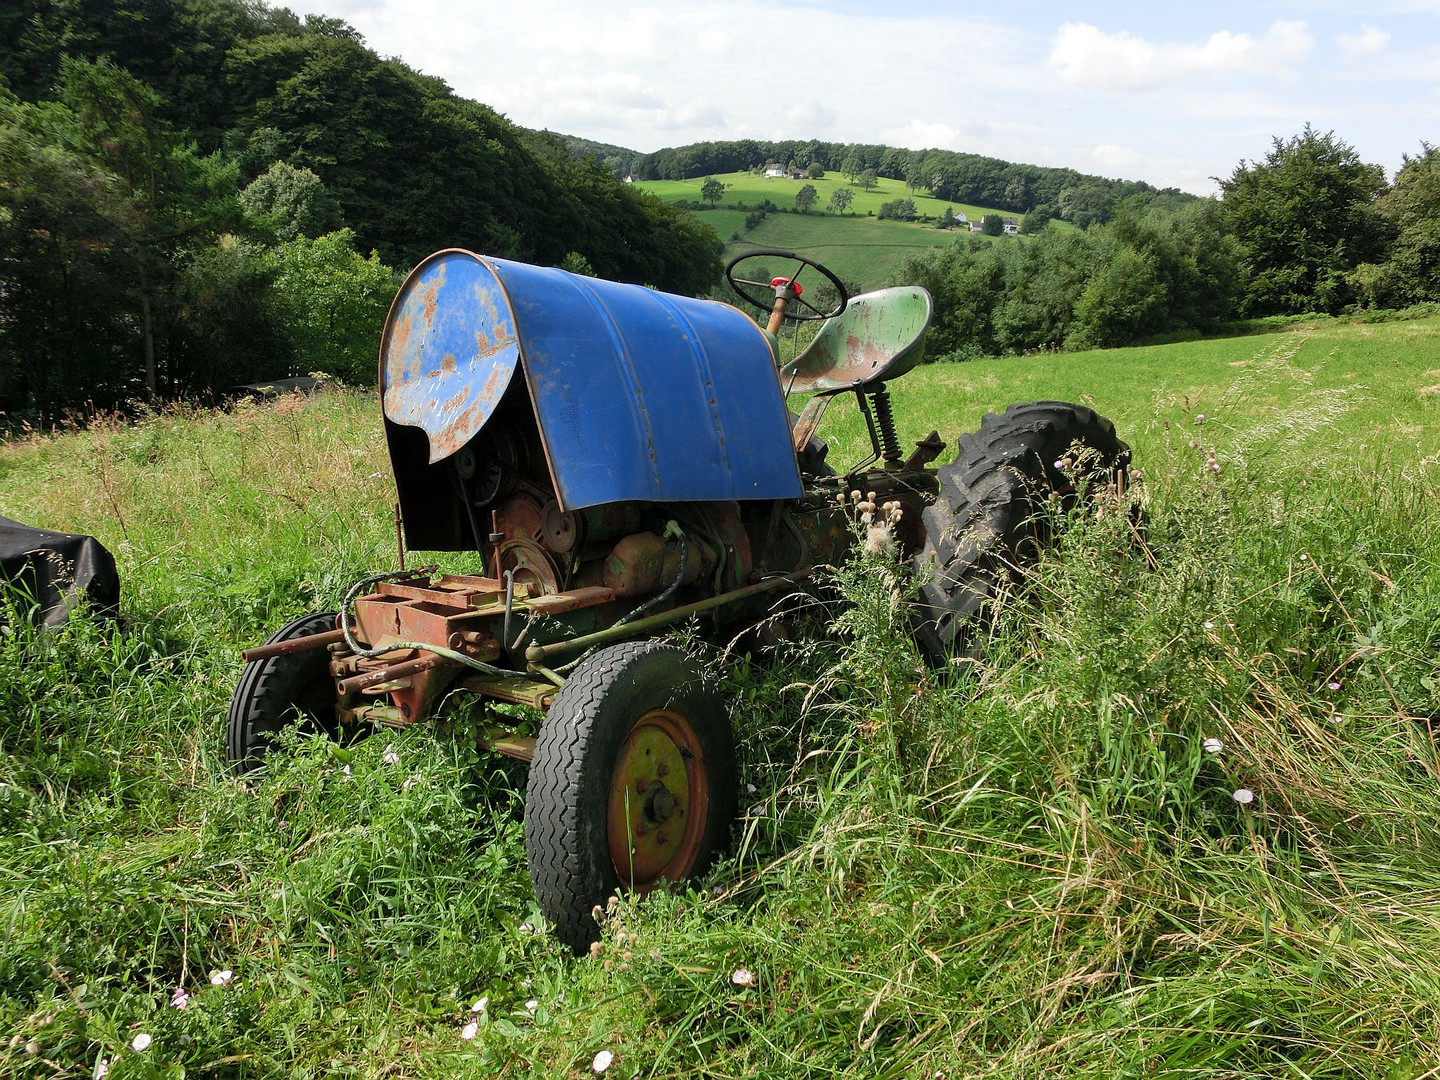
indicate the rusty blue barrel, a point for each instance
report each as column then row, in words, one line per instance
column 639, row 394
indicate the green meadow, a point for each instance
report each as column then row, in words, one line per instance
column 751, row 190
column 857, row 244
column 1180, row 819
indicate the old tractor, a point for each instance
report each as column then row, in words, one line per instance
column 623, row 461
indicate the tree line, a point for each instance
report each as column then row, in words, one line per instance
column 1310, row 228
column 1065, row 194
column 188, row 189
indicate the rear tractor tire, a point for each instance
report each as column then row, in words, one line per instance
column 280, row 692
column 633, row 783
column 989, row 520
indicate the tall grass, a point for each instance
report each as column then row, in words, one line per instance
column 1027, row 865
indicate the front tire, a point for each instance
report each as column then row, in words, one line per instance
column 987, row 524
column 633, row 783
column 279, row 692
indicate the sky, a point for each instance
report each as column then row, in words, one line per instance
column 1170, row 93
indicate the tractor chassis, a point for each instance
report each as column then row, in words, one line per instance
column 401, row 648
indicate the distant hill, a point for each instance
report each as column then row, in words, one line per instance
column 1079, row 198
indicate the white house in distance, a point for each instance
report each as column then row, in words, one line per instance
column 774, row 171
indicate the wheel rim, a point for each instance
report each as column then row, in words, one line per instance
column 659, row 801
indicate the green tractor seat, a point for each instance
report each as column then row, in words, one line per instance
column 880, row 335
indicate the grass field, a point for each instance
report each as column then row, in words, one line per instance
column 858, row 246
column 751, row 190
column 864, row 251
column 1029, row 866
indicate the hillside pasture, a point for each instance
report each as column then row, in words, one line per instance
column 752, row 190
column 1180, row 818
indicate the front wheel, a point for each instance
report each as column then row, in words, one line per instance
column 279, row 692
column 989, row 521
column 633, row 783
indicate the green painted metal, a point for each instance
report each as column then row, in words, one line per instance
column 880, row 335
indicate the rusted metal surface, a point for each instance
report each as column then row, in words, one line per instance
column 392, row 673
column 880, row 335
column 804, row 429
column 571, row 600
column 539, row 654
column 531, row 692
column 449, row 350
column 504, row 741
column 294, row 645
column 926, row 451
column 659, row 801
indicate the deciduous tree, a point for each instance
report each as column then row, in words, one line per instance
column 1305, row 217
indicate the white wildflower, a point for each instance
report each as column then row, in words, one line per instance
column 480, row 1005
column 602, row 1061
column 531, row 1006
column 221, row 978
column 1334, row 685
column 469, row 1031
column 1244, row 796
column 179, row 999
column 742, row 977
column 1213, row 746
column 391, row 757
column 141, row 1043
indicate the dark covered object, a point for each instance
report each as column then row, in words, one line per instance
column 56, row 571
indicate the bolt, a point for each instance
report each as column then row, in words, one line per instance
column 662, row 769
column 663, row 837
column 641, row 787
column 641, row 830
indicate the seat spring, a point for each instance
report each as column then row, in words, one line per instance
column 885, row 420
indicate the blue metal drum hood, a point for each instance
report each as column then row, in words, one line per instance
column 638, row 394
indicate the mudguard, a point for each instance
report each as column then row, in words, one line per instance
column 638, row 394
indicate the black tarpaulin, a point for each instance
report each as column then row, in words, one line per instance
column 56, row 572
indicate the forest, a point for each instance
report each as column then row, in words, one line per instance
column 201, row 193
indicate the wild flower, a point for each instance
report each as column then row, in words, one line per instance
column 480, row 1005
column 179, row 999
column 602, row 1061
column 1244, row 796
column 410, row 781
column 1200, row 418
column 1213, row 746
column 469, row 1031
column 1333, row 685
column 531, row 1006
column 141, row 1043
column 221, row 978
column 391, row 757
column 346, row 770
column 526, row 928
column 742, row 977
column 750, row 789
column 1209, row 625
column 102, row 1068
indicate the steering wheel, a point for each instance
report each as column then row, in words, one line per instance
column 786, row 287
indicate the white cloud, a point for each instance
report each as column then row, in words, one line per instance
column 1084, row 55
column 1370, row 39
column 1114, row 157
